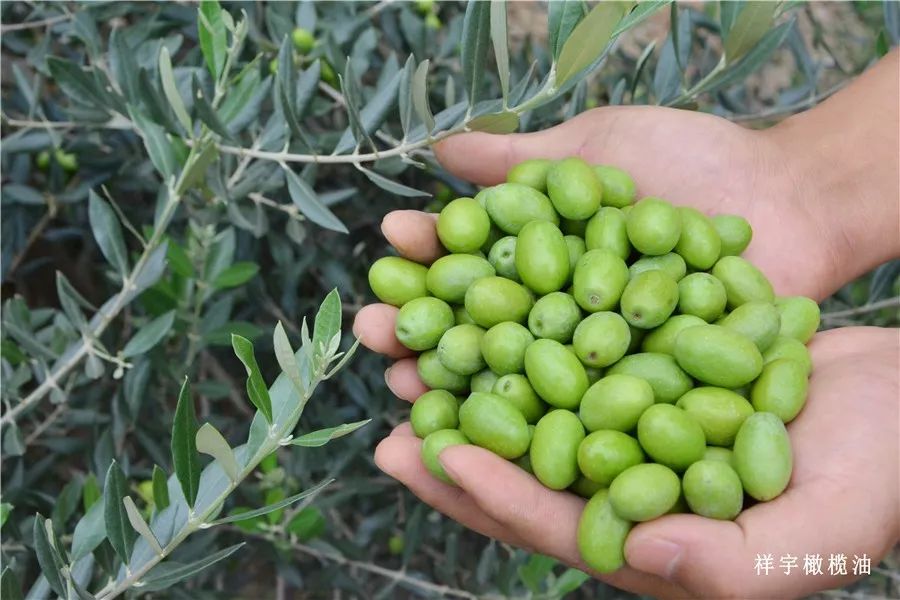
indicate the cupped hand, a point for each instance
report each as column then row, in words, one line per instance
column 843, row 495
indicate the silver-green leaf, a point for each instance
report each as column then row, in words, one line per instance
column 149, row 335
column 323, row 436
column 501, row 46
column 475, row 37
column 140, row 525
column 107, row 232
column 309, row 204
column 274, row 506
column 167, row 574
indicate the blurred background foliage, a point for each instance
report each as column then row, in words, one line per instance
column 255, row 241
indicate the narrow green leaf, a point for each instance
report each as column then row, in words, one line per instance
column 353, row 96
column 107, row 232
column 504, row 122
column 5, row 509
column 237, row 274
column 327, row 324
column 307, row 524
column 158, row 146
column 118, row 529
column 391, row 186
column 476, row 34
column 420, row 96
column 149, row 335
column 90, row 492
column 501, row 45
column 404, row 96
column 256, row 386
column 667, row 77
column 48, row 555
column 752, row 23
column 643, row 10
column 570, row 580
column 124, row 66
column 287, row 359
column 749, row 63
column 210, row 441
column 563, row 16
column 76, row 83
column 68, row 299
column 323, row 436
column 184, row 447
column 373, row 114
column 589, row 39
column 273, row 507
column 195, row 171
column 728, row 12
column 207, row 113
column 160, row 489
column 167, row 574
column 640, row 64
column 309, row 204
column 212, row 36
column 139, row 525
column 170, row 89
column 10, row 588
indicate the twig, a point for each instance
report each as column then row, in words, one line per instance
column 36, row 232
column 861, row 310
column 34, row 24
column 290, row 209
column 393, row 574
column 46, row 423
column 115, row 306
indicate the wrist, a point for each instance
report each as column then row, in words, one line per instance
column 845, row 182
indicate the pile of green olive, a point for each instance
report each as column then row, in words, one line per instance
column 623, row 351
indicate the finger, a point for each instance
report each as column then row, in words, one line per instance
column 413, row 234
column 404, row 429
column 403, row 380
column 485, row 158
column 399, row 457
column 374, row 327
column 543, row 518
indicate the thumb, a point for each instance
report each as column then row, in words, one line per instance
column 763, row 554
column 485, row 158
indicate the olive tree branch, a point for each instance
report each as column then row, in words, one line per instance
column 278, row 436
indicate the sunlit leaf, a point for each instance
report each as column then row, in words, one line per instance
column 210, row 441
column 212, row 35
column 505, row 122
column 420, row 96
column 160, row 488
column 751, row 24
column 140, row 525
column 590, row 38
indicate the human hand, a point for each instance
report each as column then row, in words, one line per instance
column 693, row 157
column 842, row 499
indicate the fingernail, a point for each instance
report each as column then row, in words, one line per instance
column 387, row 377
column 654, row 555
